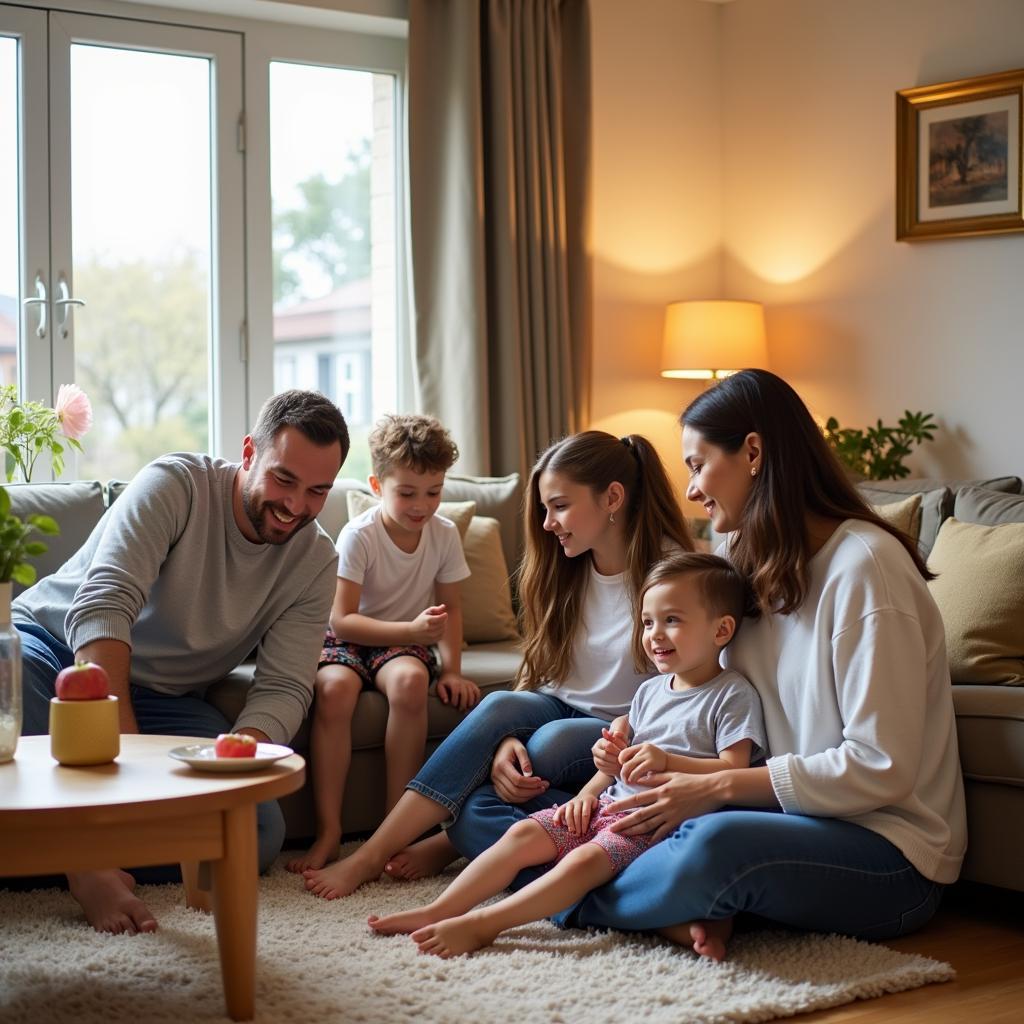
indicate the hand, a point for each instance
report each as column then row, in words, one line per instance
column 672, row 799
column 606, row 751
column 258, row 735
column 428, row 627
column 641, row 760
column 512, row 773
column 576, row 814
column 458, row 691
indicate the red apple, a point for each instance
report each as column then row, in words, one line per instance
column 84, row 680
column 235, row 744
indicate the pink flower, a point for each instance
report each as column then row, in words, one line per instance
column 73, row 410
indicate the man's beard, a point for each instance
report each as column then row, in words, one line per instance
column 254, row 512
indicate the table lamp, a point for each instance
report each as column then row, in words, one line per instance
column 708, row 340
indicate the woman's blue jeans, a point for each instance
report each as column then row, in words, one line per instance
column 821, row 874
column 558, row 738
column 43, row 656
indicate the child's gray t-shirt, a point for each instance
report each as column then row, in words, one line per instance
column 698, row 722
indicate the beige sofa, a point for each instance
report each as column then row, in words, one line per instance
column 990, row 717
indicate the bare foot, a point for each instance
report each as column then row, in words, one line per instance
column 323, row 851
column 404, row 923
column 708, row 938
column 343, row 877
column 109, row 901
column 455, row 936
column 424, row 859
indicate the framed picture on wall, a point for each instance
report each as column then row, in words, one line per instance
column 958, row 157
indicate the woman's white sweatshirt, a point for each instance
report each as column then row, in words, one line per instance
column 857, row 702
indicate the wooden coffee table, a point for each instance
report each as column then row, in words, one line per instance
column 146, row 808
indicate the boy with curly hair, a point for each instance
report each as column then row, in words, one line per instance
column 397, row 596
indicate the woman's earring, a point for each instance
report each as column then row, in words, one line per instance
column 611, row 518
column 753, row 470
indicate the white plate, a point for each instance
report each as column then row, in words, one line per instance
column 203, row 757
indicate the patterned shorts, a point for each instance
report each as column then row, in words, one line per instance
column 622, row 850
column 366, row 662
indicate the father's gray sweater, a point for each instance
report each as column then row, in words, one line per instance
column 168, row 571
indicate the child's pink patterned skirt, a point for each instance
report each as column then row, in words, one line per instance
column 622, row 850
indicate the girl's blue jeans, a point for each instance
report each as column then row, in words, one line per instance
column 43, row 656
column 558, row 738
column 821, row 874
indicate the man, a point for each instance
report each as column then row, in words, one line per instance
column 197, row 564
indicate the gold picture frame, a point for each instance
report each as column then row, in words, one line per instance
column 959, row 157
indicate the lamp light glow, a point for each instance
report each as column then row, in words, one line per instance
column 711, row 339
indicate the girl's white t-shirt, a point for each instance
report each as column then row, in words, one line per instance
column 602, row 679
column 398, row 585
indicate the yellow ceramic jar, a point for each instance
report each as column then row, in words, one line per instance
column 84, row 731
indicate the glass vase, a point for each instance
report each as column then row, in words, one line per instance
column 10, row 678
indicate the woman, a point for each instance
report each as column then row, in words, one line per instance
column 847, row 652
column 600, row 511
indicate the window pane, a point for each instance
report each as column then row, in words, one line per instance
column 333, row 194
column 140, row 182
column 9, row 297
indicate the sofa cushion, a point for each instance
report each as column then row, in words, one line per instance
column 459, row 512
column 979, row 589
column 486, row 596
column 936, row 498
column 990, row 732
column 905, row 515
column 987, row 507
column 77, row 508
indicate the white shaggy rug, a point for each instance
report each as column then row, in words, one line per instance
column 317, row 961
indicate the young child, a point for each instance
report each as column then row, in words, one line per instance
column 694, row 718
column 399, row 569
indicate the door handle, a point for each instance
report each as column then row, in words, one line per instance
column 39, row 299
column 65, row 304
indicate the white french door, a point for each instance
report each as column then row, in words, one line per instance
column 122, row 182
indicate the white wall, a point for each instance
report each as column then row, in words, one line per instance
column 862, row 325
column 747, row 150
column 656, row 216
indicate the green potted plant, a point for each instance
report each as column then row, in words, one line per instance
column 877, row 452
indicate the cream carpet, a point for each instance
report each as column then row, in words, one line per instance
column 319, row 962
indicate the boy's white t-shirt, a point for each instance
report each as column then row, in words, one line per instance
column 398, row 585
column 602, row 679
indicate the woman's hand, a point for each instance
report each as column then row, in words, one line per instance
column 512, row 773
column 672, row 799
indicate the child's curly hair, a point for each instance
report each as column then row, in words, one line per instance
column 414, row 442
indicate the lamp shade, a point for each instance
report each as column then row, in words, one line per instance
column 705, row 339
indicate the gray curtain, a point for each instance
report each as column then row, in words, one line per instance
column 499, row 167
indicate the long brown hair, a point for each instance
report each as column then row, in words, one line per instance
column 552, row 586
column 798, row 474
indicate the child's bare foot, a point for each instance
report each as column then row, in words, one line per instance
column 708, row 938
column 343, row 877
column 424, row 859
column 455, row 936
column 109, row 901
column 404, row 923
column 323, row 851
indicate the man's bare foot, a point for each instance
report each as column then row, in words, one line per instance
column 455, row 936
column 323, row 851
column 109, row 901
column 404, row 923
column 424, row 859
column 708, row 938
column 343, row 877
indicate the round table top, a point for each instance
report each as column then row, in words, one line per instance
column 143, row 782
